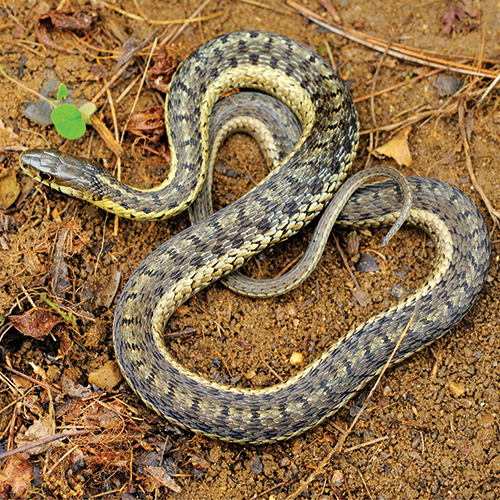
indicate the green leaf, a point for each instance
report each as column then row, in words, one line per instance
column 68, row 121
column 62, row 93
column 87, row 110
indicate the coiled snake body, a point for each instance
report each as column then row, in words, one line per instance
column 277, row 208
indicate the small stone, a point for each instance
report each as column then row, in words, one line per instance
column 291, row 311
column 337, row 477
column 456, row 389
column 256, row 465
column 447, row 85
column 106, row 377
column 486, row 421
column 399, row 292
column 387, row 390
column 367, row 264
column 296, row 359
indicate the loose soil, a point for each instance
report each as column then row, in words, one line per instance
column 437, row 413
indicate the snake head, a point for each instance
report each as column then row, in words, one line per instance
column 61, row 171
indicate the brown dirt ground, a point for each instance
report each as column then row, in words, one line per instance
column 438, row 444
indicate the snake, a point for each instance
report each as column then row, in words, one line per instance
column 291, row 195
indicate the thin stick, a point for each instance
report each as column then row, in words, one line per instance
column 396, row 50
column 19, row 84
column 48, row 439
column 494, row 214
column 173, row 35
column 34, row 380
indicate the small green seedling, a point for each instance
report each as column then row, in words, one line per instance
column 70, row 121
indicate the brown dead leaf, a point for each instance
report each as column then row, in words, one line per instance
column 397, row 148
column 9, row 188
column 148, row 124
column 163, row 69
column 78, row 19
column 17, row 474
column 455, row 17
column 160, row 476
column 40, row 429
column 36, row 323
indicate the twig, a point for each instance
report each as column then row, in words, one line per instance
column 344, row 260
column 396, row 50
column 364, row 483
column 265, row 6
column 34, row 380
column 48, row 439
column 327, row 4
column 174, row 34
column 491, row 86
column 367, row 443
column 143, row 18
column 494, row 214
column 19, row 84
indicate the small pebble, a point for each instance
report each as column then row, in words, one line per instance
column 296, row 359
column 486, row 421
column 447, row 85
column 106, row 377
column 256, row 465
column 352, row 243
column 456, row 389
column 337, row 477
column 399, row 292
column 367, row 264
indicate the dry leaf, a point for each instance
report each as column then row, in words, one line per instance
column 163, row 69
column 160, row 476
column 148, row 124
column 16, row 473
column 79, row 19
column 36, row 323
column 397, row 148
column 9, row 188
column 42, row 428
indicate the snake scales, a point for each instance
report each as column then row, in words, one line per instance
column 274, row 210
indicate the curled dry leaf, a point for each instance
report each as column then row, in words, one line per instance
column 163, row 69
column 397, row 148
column 9, row 188
column 40, row 429
column 36, row 323
column 160, row 476
column 148, row 124
column 454, row 16
column 16, row 474
column 78, row 19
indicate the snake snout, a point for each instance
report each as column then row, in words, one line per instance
column 53, row 167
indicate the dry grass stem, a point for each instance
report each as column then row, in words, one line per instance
column 396, row 50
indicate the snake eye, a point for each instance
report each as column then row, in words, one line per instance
column 44, row 176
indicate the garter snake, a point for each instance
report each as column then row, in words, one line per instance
column 289, row 197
